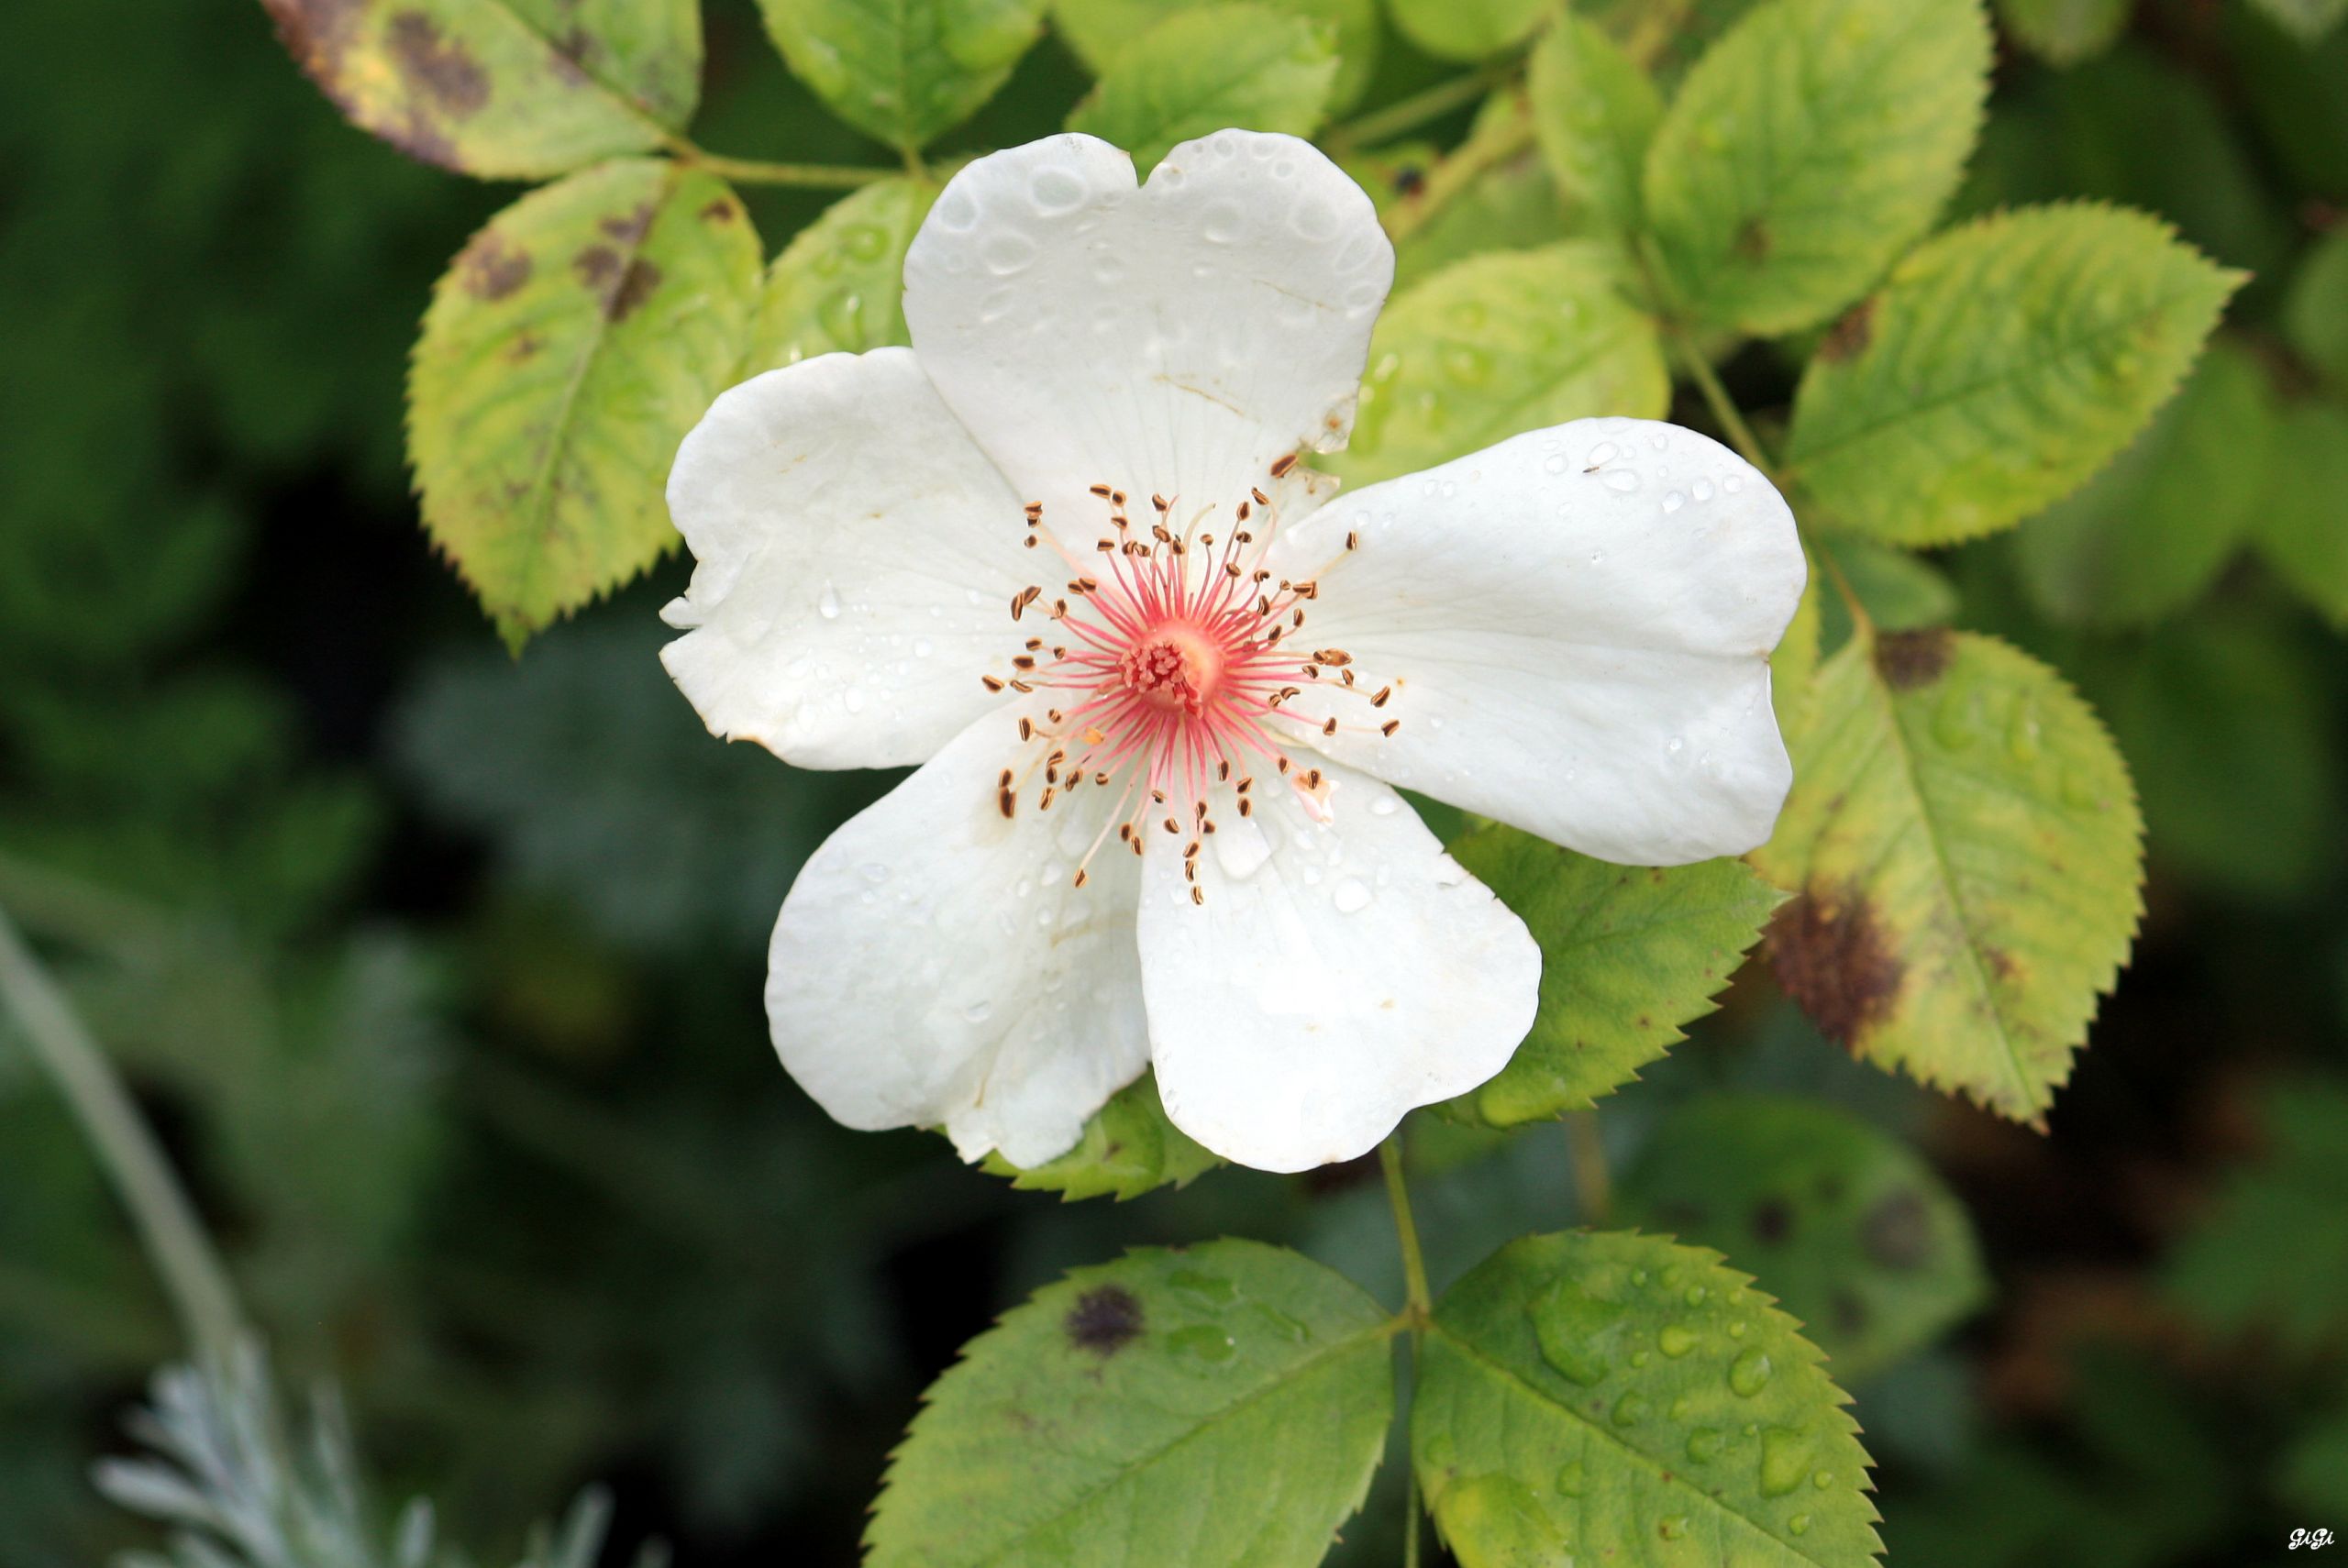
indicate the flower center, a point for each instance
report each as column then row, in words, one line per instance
column 1175, row 666
column 1171, row 656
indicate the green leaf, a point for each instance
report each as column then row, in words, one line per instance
column 1615, row 1398
column 839, row 286
column 1899, row 592
column 1513, row 204
column 2315, row 1467
column 1467, row 30
column 1101, row 30
column 2193, row 705
column 507, row 89
column 2291, row 89
column 2302, row 532
column 1128, row 1148
column 2315, row 315
column 2307, row 19
column 1499, row 344
column 1201, row 70
column 1628, row 954
column 1222, row 1405
column 2150, row 532
column 903, row 71
column 567, row 351
column 1794, row 666
column 1967, row 854
column 1855, row 1234
column 2272, row 1254
column 1810, row 146
column 2002, row 364
column 2064, row 32
column 1594, row 111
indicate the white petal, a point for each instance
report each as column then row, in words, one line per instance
column 1174, row 339
column 1335, row 974
column 934, row 964
column 857, row 558
column 1577, row 623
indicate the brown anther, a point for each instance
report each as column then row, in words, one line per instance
column 1190, row 870
column 1008, row 800
column 1383, row 693
column 1158, row 795
column 1312, row 672
column 1118, row 496
column 1172, row 826
column 1019, row 685
column 1026, row 730
column 1353, row 541
column 1231, row 569
column 1160, row 502
column 1022, row 662
column 1101, row 491
column 989, row 683
column 1243, row 517
column 1124, row 831
column 1331, row 727
column 1004, row 782
column 1080, row 877
column 1312, row 779
column 1389, row 726
column 1346, row 675
column 1034, row 510
column 1333, row 655
column 1246, row 805
column 1191, row 850
column 1046, row 803
column 1222, row 772
column 1244, row 786
column 1031, row 541
column 1282, row 763
column 1261, row 499
column 1198, row 895
column 1281, row 466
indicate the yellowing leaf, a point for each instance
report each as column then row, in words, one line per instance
column 1966, row 854
column 2003, row 363
column 503, row 88
column 567, row 351
column 1811, row 144
column 1499, row 344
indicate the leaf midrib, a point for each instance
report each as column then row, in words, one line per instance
column 627, row 102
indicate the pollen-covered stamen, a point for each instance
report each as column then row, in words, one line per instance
column 1170, row 668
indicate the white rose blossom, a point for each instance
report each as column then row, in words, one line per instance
column 1061, row 554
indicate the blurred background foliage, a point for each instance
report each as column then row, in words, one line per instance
column 440, row 971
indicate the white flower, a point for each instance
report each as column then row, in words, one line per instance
column 1061, row 554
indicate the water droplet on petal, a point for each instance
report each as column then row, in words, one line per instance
column 828, row 605
column 979, row 1011
column 1352, row 897
column 1621, row 480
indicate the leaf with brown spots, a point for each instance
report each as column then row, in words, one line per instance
column 506, row 89
column 1224, row 1404
column 1628, row 955
column 1814, row 142
column 1968, row 851
column 568, row 350
column 1843, row 1223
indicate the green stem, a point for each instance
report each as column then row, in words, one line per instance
column 1421, row 1308
column 757, row 171
column 183, row 1255
column 1593, row 1189
column 1732, row 420
column 1407, row 113
column 1406, row 1230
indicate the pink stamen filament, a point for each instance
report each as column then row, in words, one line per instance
column 1179, row 659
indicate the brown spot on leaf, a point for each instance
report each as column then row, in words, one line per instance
column 1833, row 960
column 620, row 287
column 1851, row 334
column 1897, row 1231
column 1752, row 240
column 490, row 269
column 629, row 228
column 438, row 68
column 1908, row 659
column 1104, row 1320
column 720, row 211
